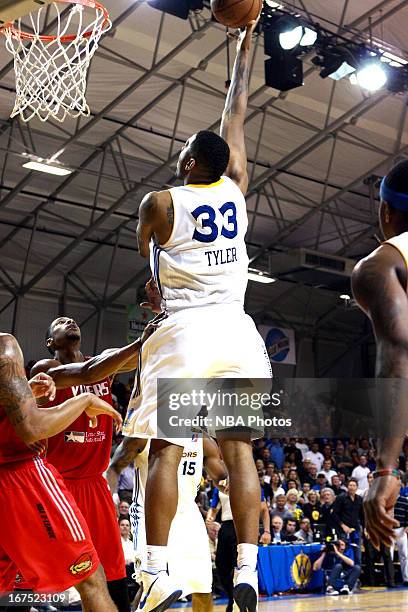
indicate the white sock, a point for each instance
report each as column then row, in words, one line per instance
column 247, row 555
column 156, row 559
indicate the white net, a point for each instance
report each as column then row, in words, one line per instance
column 51, row 73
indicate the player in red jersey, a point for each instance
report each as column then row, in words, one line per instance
column 52, row 548
column 82, row 454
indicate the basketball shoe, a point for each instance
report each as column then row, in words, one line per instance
column 246, row 589
column 158, row 592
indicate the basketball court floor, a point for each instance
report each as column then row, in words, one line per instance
column 376, row 600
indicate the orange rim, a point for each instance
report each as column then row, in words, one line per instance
column 93, row 4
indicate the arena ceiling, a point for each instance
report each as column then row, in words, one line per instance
column 156, row 80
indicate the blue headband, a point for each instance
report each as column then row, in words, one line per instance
column 397, row 200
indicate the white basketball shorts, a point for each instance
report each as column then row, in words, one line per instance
column 218, row 341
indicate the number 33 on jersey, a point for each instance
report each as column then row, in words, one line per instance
column 205, row 260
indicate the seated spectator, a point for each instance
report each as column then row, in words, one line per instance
column 290, row 526
column 270, row 471
column 280, row 508
column 276, row 486
column 291, row 485
column 293, row 458
column 302, row 445
column 126, row 483
column 266, row 455
column 327, row 452
column 276, row 453
column 336, row 485
column 360, row 473
column 266, row 487
column 305, row 533
column 305, row 490
column 371, row 461
column 260, row 465
column 339, row 560
column 364, row 446
column 293, row 475
column 293, row 453
column 327, row 470
column 355, row 458
column 311, row 509
column 124, row 509
column 292, row 505
column 276, row 532
column 321, row 482
column 127, row 544
column 311, row 476
column 283, row 473
column 370, row 480
column 304, row 470
column 342, row 459
column 315, row 456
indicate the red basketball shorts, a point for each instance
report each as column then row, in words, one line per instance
column 94, row 499
column 44, row 538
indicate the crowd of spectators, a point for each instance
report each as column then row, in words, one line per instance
column 314, row 491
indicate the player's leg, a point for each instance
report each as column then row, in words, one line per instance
column 160, row 508
column 202, row 602
column 245, row 505
column 243, row 489
column 161, row 497
column 94, row 593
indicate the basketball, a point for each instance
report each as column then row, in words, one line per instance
column 236, row 13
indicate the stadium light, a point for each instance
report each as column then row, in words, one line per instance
column 260, row 277
column 47, row 166
column 371, row 75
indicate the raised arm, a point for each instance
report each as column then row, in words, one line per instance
column 379, row 286
column 233, row 117
column 30, row 422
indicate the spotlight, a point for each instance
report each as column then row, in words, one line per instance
column 290, row 39
column 178, row 8
column 287, row 32
column 345, row 297
column 371, row 75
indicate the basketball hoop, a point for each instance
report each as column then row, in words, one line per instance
column 51, row 70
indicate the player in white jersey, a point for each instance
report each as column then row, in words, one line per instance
column 195, row 235
column 189, row 553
